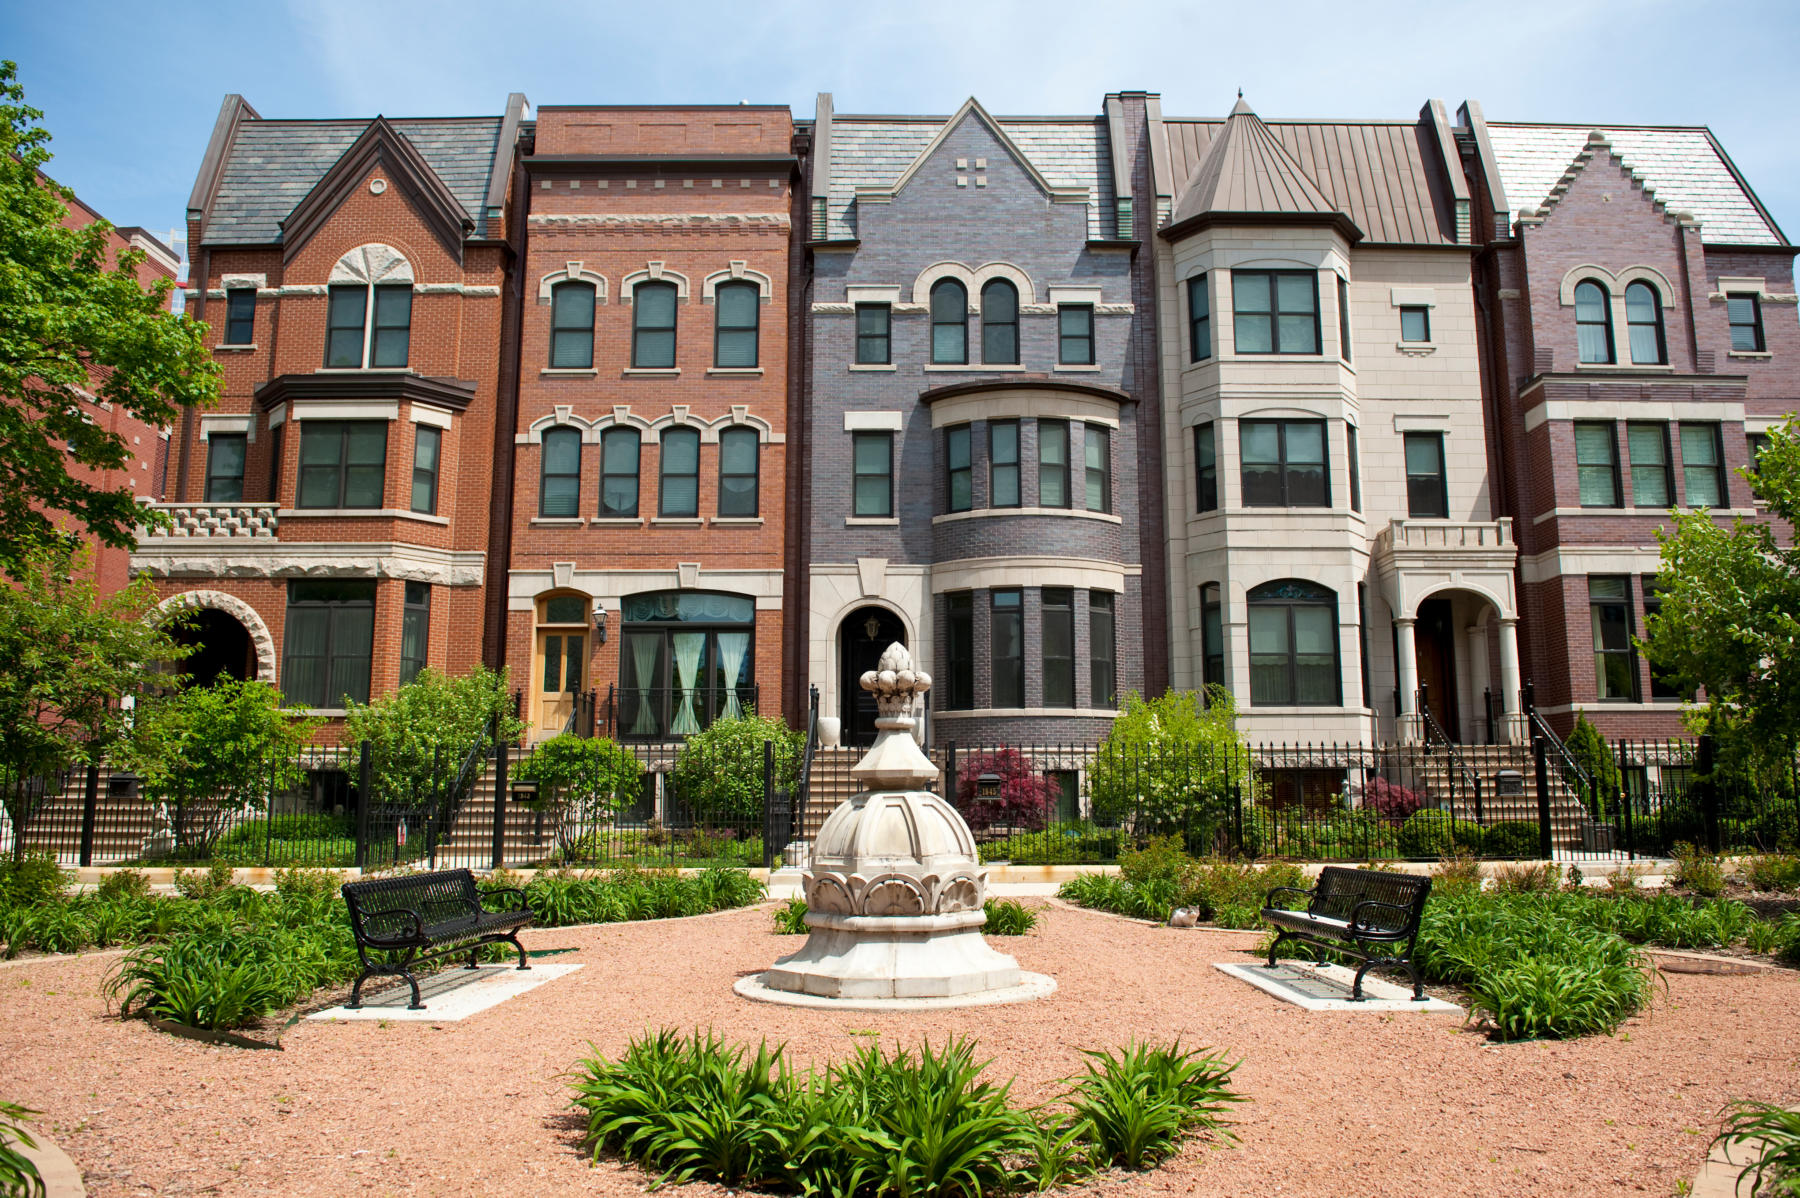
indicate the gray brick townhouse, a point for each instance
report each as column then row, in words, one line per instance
column 980, row 380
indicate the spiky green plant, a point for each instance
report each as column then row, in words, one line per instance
column 1774, row 1132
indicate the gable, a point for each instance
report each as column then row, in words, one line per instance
column 381, row 147
column 973, row 111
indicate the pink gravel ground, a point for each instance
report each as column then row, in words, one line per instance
column 1342, row 1104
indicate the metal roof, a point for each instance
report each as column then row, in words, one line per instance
column 272, row 165
column 1683, row 166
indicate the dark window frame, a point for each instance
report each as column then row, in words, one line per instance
column 1012, row 669
column 1275, row 312
column 1717, row 466
column 737, row 434
column 318, row 429
column 1290, row 595
column 1627, row 653
column 959, row 650
column 1200, row 346
column 1612, row 464
column 943, row 320
column 564, row 329
column 1056, row 606
column 1755, row 343
column 867, row 353
column 619, row 434
column 1284, row 467
column 219, row 482
column 992, row 355
column 1420, row 313
column 333, row 651
column 721, row 330
column 1661, row 689
column 1057, row 473
column 857, row 474
column 1604, row 323
column 240, row 316
column 1206, row 467
column 641, row 331
column 1343, row 302
column 1100, row 435
column 1066, row 340
column 1655, row 323
column 1103, row 649
column 963, row 435
column 996, row 464
column 1665, row 467
column 338, row 326
column 1212, row 635
column 1353, row 459
column 563, row 434
column 1430, row 492
column 385, row 332
column 415, row 620
column 427, row 474
column 664, row 475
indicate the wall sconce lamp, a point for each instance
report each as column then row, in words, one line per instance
column 599, row 623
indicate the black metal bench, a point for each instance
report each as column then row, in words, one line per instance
column 1352, row 911
column 418, row 918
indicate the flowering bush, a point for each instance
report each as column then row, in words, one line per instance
column 1026, row 797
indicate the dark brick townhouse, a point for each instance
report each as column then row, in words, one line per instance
column 1639, row 330
column 980, row 379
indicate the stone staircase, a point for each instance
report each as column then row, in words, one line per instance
column 1437, row 773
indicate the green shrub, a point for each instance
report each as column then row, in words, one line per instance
column 1008, row 917
column 1140, row 1102
column 1546, row 998
column 19, row 1177
column 1458, row 873
column 1510, row 838
column 1431, row 834
column 719, row 773
column 1232, row 894
column 196, row 884
column 123, row 884
column 1763, row 937
column 1774, row 873
column 1228, row 893
column 290, row 840
column 1537, row 877
column 1699, row 872
column 1772, row 1132
column 1154, row 899
column 1072, row 842
column 34, row 878
column 1589, row 750
column 1161, row 858
column 559, row 898
column 420, row 735
column 790, row 918
column 1170, row 765
column 1359, row 835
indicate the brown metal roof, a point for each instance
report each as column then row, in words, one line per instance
column 1383, row 175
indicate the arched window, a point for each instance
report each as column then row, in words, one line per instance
column 1644, row 326
column 735, row 311
column 1293, row 645
column 1000, row 323
column 679, row 494
column 559, row 490
column 653, row 326
column 737, row 471
column 619, row 474
column 572, row 326
column 949, row 323
column 1593, row 323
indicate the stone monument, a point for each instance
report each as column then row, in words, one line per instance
column 895, row 888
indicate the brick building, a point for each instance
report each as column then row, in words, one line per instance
column 1639, row 336
column 979, row 380
column 650, row 493
column 333, row 514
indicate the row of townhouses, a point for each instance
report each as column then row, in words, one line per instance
column 680, row 411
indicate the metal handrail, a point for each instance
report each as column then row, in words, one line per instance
column 1435, row 735
column 802, row 788
column 1541, row 728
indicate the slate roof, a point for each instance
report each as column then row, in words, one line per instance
column 874, row 151
column 1683, row 166
column 272, row 165
column 1383, row 175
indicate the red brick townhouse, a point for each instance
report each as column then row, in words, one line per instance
column 649, row 500
column 332, row 514
column 1637, row 309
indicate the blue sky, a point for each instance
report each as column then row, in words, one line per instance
column 130, row 91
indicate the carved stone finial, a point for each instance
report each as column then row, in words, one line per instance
column 894, row 761
column 894, row 682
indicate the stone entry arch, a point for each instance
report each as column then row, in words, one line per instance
column 262, row 642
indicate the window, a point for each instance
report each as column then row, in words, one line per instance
column 1008, row 646
column 1745, row 314
column 1075, row 334
column 874, row 323
column 415, row 630
column 1597, row 464
column 1643, row 325
column 1199, row 320
column 329, row 638
column 1284, row 463
column 388, row 343
column 1206, row 467
column 1662, row 684
column 1059, row 647
column 736, row 308
column 1053, row 463
column 1415, row 323
column 1343, row 289
column 1293, row 645
column 1362, row 644
column 873, row 481
column 1615, row 661
column 1652, row 483
column 1103, row 650
column 1593, row 323
column 572, row 326
column 344, row 326
column 1097, row 453
column 559, row 489
column 240, row 316
column 1212, row 636
column 1355, row 458
column 653, row 326
column 686, row 658
column 960, row 650
column 348, row 344
column 678, row 494
column 225, row 467
column 1003, row 463
column 738, row 472
column 1702, row 465
column 1000, row 323
column 1426, row 495
column 276, row 440
column 428, row 442
column 619, row 450
column 961, row 476
column 1275, row 311
column 342, row 463
column 1756, row 443
column 949, row 323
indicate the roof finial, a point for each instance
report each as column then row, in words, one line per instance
column 1240, row 93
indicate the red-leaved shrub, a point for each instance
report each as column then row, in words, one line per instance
column 1390, row 800
column 1026, row 797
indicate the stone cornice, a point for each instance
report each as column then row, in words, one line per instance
column 659, row 221
column 454, row 394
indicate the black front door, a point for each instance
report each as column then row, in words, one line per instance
column 1436, row 636
column 863, row 637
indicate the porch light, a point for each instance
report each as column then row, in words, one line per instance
column 599, row 623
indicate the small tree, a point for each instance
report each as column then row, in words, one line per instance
column 581, row 781
column 1170, row 764
column 420, row 736
column 67, row 652
column 719, row 773
column 1589, row 751
column 211, row 752
column 1026, row 797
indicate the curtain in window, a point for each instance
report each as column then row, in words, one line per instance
column 689, row 647
column 643, row 659
column 733, row 646
column 353, row 641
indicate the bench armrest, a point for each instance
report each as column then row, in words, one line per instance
column 1357, row 911
column 514, row 899
column 1269, row 899
column 415, row 936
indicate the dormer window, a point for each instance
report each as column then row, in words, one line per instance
column 353, row 340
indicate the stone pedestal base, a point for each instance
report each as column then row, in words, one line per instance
column 888, row 957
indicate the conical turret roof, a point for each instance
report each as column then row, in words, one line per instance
column 1246, row 174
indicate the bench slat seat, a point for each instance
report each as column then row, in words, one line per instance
column 417, row 918
column 1356, row 908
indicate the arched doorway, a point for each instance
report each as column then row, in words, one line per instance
column 221, row 648
column 863, row 637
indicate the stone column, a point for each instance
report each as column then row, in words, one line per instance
column 1406, row 670
column 1509, row 680
column 1475, row 652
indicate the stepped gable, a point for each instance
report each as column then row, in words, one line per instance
column 1684, row 167
column 1247, row 173
column 1598, row 142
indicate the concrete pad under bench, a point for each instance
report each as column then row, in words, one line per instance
column 1327, row 988
column 451, row 996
